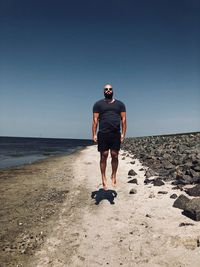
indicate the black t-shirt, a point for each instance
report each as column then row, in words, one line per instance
column 109, row 115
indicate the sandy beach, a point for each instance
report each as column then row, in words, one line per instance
column 58, row 209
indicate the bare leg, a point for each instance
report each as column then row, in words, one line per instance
column 103, row 162
column 114, row 163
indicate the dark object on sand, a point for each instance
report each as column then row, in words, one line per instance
column 192, row 209
column 173, row 196
column 181, row 202
column 102, row 194
column 158, row 182
column 194, row 191
column 132, row 173
column 133, row 191
column 133, row 181
column 162, row 192
column 185, row 224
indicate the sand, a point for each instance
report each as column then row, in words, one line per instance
column 140, row 229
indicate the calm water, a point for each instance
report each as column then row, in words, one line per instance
column 15, row 151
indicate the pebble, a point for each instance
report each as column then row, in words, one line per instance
column 133, row 191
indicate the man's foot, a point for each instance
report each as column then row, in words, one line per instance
column 105, row 187
column 114, row 181
column 104, row 183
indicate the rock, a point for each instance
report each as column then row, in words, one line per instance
column 196, row 168
column 152, row 195
column 162, row 192
column 167, row 165
column 178, row 187
column 185, row 224
column 149, row 173
column 148, row 215
column 142, row 169
column 192, row 209
column 147, row 181
column 132, row 173
column 173, row 196
column 133, row 191
column 181, row 202
column 196, row 180
column 158, row 182
column 187, row 179
column 168, row 153
column 194, row 191
column 194, row 173
column 132, row 162
column 123, row 158
column 133, row 181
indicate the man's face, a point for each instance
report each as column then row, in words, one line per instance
column 108, row 91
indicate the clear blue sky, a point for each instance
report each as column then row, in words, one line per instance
column 55, row 57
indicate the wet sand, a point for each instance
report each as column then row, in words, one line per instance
column 31, row 197
column 60, row 205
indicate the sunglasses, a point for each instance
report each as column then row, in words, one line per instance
column 108, row 89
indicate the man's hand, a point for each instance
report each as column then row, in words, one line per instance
column 95, row 138
column 122, row 138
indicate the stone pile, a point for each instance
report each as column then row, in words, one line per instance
column 172, row 158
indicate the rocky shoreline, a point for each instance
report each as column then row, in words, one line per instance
column 174, row 159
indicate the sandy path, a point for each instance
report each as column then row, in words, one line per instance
column 137, row 230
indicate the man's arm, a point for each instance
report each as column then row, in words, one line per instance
column 123, row 119
column 94, row 126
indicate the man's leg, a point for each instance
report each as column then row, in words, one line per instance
column 114, row 163
column 103, row 161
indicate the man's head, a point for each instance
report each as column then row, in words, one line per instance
column 108, row 91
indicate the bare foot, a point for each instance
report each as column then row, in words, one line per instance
column 114, row 181
column 105, row 187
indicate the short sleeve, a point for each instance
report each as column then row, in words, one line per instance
column 123, row 107
column 96, row 108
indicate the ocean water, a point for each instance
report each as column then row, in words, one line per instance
column 15, row 151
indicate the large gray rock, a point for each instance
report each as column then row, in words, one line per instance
column 192, row 209
column 181, row 202
column 158, row 182
column 194, row 191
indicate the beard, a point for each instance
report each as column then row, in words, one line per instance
column 108, row 96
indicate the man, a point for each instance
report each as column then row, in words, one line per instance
column 109, row 113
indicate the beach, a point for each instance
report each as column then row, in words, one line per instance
column 55, row 213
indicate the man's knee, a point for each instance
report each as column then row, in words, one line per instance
column 104, row 155
column 114, row 154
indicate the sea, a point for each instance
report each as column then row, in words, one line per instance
column 16, row 151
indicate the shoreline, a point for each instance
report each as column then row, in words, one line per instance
column 83, row 225
column 31, row 196
column 30, row 159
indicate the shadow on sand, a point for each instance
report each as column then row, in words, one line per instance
column 102, row 194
